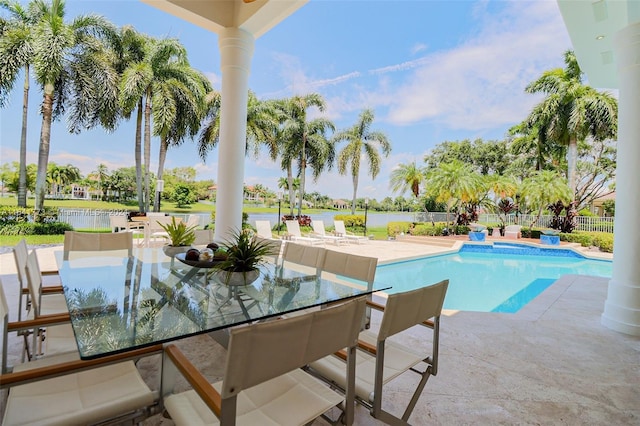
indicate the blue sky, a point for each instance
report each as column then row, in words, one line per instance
column 432, row 71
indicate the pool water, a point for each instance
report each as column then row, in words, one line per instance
column 485, row 278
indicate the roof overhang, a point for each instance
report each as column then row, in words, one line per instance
column 592, row 26
column 256, row 17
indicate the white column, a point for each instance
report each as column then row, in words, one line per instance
column 236, row 50
column 622, row 307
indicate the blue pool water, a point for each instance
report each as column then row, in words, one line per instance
column 485, row 278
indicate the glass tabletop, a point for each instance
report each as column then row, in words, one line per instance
column 119, row 302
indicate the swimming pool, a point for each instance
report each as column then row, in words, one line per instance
column 491, row 278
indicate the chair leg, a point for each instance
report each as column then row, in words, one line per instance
column 417, row 393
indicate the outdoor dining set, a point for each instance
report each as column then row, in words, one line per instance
column 305, row 339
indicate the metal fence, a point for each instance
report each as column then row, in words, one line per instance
column 99, row 219
column 584, row 223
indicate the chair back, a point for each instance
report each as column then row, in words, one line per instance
column 274, row 245
column 193, row 221
column 266, row 350
column 318, row 227
column 293, row 228
column 118, row 222
column 263, row 229
column 203, row 237
column 361, row 268
column 34, row 282
column 88, row 241
column 339, row 226
column 409, row 308
column 4, row 323
column 309, row 256
column 156, row 221
column 20, row 253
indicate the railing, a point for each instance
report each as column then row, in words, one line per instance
column 99, row 219
column 583, row 223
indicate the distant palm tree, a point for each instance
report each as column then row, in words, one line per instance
column 407, row 177
column 571, row 111
column 544, row 188
column 454, row 183
column 305, row 141
column 70, row 57
column 17, row 53
column 361, row 138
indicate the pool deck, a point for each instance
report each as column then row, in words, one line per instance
column 550, row 363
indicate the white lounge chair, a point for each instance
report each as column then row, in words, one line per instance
column 293, row 229
column 350, row 236
column 263, row 229
column 512, row 231
column 318, row 230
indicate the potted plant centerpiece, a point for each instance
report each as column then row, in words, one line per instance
column 181, row 237
column 241, row 257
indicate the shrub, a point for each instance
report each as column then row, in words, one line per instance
column 351, row 220
column 603, row 240
column 534, row 233
column 395, row 228
column 427, row 229
column 584, row 239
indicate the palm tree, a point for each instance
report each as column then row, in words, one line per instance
column 179, row 105
column 142, row 82
column 60, row 176
column 16, row 53
column 454, row 183
column 571, row 111
column 544, row 188
column 407, row 177
column 361, row 138
column 64, row 56
column 305, row 141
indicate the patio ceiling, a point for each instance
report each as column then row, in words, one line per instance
column 255, row 17
column 592, row 26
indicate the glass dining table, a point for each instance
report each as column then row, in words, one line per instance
column 119, row 302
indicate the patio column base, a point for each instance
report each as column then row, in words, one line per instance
column 620, row 312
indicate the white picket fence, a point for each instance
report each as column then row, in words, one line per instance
column 584, row 223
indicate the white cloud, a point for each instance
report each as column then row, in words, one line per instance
column 418, row 47
column 480, row 84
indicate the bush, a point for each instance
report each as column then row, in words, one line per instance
column 351, row 220
column 584, row 239
column 603, row 240
column 395, row 228
column 534, row 233
column 31, row 228
column 20, row 221
column 427, row 229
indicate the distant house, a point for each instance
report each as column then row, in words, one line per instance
column 596, row 205
column 340, row 204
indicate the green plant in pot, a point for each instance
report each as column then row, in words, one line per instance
column 241, row 256
column 181, row 237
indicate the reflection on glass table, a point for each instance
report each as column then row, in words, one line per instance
column 118, row 303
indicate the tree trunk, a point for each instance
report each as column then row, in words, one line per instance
column 147, row 148
column 290, row 183
column 355, row 190
column 43, row 152
column 138, row 156
column 572, row 160
column 161, row 157
column 303, row 172
column 22, row 174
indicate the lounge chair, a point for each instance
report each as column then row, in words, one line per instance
column 293, row 229
column 350, row 236
column 263, row 229
column 318, row 230
column 513, row 231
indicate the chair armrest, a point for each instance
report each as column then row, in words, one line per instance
column 48, row 289
column 37, row 374
column 367, row 347
column 42, row 321
column 375, row 305
column 200, row 384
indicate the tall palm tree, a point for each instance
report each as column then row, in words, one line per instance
column 454, row 183
column 63, row 58
column 179, row 106
column 571, row 111
column 407, row 177
column 543, row 188
column 361, row 138
column 305, row 141
column 16, row 54
column 142, row 83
